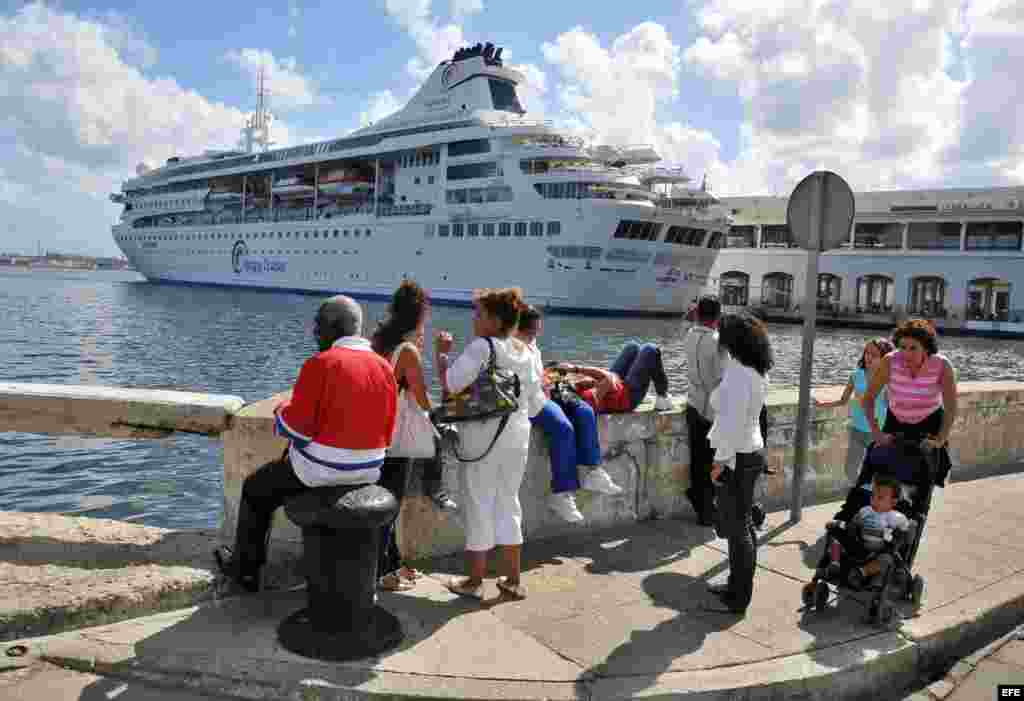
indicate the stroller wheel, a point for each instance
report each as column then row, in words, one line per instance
column 917, row 590
column 821, row 593
column 807, row 593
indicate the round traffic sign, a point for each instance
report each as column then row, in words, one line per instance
column 820, row 211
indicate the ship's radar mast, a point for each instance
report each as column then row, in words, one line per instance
column 256, row 132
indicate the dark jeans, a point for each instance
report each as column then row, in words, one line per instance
column 393, row 476
column 572, row 440
column 702, row 490
column 638, row 366
column 735, row 497
column 262, row 492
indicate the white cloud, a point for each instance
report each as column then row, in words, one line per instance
column 77, row 116
column 465, row 8
column 380, row 105
column 287, row 87
column 434, row 42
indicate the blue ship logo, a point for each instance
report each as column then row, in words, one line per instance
column 237, row 253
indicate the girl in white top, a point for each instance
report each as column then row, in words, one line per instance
column 493, row 515
column 736, row 438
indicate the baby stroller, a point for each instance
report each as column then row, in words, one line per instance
column 914, row 466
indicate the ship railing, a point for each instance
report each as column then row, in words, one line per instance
column 404, row 210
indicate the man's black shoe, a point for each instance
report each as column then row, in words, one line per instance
column 231, row 571
column 725, row 604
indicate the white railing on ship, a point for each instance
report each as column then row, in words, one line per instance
column 305, row 214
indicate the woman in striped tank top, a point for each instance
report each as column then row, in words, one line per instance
column 921, row 390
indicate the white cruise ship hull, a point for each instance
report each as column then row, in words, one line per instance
column 626, row 277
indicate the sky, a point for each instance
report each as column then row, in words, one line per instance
column 752, row 94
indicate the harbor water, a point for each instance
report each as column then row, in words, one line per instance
column 113, row 328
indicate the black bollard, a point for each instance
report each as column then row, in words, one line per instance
column 341, row 531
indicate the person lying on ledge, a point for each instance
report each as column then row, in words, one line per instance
column 624, row 386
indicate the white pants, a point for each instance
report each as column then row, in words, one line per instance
column 491, row 509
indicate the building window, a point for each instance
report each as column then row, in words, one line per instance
column 927, row 296
column 504, row 229
column 740, row 237
column 536, row 228
column 520, row 228
column 457, row 230
column 473, row 229
column 994, row 236
column 934, row 235
column 777, row 290
column 466, row 171
column 467, row 148
column 776, row 236
column 488, row 230
column 554, row 228
column 442, row 230
column 875, row 294
column 829, row 288
column 988, row 299
column 877, row 235
column 734, row 288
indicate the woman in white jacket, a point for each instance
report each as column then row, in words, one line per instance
column 737, row 441
column 493, row 515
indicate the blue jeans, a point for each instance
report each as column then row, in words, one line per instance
column 639, row 365
column 572, row 437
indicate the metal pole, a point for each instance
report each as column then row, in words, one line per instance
column 804, row 409
column 376, row 185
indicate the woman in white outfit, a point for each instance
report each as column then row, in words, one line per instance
column 493, row 515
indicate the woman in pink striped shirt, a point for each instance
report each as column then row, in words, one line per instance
column 921, row 390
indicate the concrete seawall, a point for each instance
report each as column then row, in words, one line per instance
column 647, row 453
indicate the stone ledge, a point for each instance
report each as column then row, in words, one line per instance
column 112, row 411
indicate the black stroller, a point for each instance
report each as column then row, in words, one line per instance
column 915, row 468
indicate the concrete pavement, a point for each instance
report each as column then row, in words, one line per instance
column 614, row 614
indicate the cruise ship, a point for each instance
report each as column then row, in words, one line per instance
column 954, row 256
column 458, row 190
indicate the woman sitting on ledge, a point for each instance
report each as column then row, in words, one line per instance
column 622, row 388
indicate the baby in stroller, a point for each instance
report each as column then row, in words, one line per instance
column 872, row 542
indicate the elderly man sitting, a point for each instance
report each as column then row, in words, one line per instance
column 339, row 423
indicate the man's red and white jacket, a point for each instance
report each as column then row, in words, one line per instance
column 341, row 415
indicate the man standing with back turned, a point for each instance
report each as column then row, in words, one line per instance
column 703, row 373
column 339, row 423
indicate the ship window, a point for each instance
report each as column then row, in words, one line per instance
column 521, row 228
column 457, row 230
column 430, row 180
column 467, row 148
column 503, row 95
column 335, row 233
column 476, row 196
column 345, row 233
column 416, row 180
column 442, row 230
column 536, row 228
column 367, row 233
column 554, row 228
column 488, row 230
column 466, row 171
column 456, row 197
column 1001, row 235
column 775, row 236
column 685, row 236
column 716, row 239
column 934, row 235
column 473, row 230
column 504, row 229
column 355, row 232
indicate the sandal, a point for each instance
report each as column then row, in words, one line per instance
column 462, row 587
column 393, row 582
column 516, row 591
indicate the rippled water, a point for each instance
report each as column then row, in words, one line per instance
column 113, row 328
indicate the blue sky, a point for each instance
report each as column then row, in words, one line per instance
column 920, row 95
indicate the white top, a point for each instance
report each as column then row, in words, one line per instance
column 737, row 403
column 535, row 400
column 877, row 523
column 703, row 368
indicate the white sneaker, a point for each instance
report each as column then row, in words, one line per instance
column 564, row 505
column 663, row 402
column 598, row 480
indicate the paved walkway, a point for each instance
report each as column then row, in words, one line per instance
column 610, row 615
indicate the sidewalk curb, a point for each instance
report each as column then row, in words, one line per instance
column 943, row 688
column 889, row 660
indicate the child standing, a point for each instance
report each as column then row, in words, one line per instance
column 856, row 386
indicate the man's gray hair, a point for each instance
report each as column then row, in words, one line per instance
column 341, row 316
